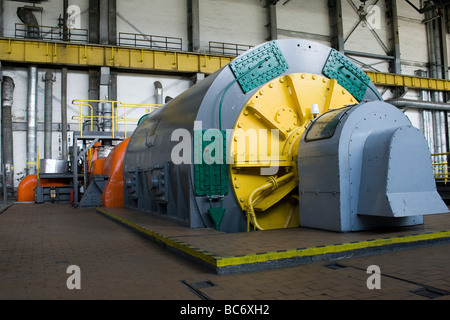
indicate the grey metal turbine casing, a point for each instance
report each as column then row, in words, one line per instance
column 365, row 167
column 153, row 183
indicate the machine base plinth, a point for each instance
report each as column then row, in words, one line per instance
column 270, row 249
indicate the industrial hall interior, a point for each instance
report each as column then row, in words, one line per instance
column 224, row 150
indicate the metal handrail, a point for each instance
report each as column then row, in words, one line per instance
column 114, row 118
column 148, row 108
column 440, row 166
column 228, row 49
column 150, row 41
column 24, row 31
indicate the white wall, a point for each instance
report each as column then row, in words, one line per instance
column 309, row 16
column 166, row 18
column 232, row 21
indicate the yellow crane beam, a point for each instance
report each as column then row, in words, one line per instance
column 400, row 80
column 93, row 55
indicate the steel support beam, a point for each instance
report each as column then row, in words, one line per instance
column 271, row 7
column 413, row 82
column 393, row 16
column 193, row 25
column 336, row 24
column 1, row 18
column 112, row 22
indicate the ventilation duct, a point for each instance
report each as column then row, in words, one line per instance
column 27, row 17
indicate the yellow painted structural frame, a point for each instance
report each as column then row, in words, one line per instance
column 399, row 80
column 94, row 55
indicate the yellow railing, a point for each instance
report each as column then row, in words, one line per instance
column 115, row 117
column 440, row 166
column 147, row 107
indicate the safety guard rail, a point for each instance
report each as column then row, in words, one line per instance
column 228, row 49
column 115, row 117
column 440, row 166
column 150, row 41
column 47, row 33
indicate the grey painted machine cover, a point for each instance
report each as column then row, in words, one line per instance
column 365, row 167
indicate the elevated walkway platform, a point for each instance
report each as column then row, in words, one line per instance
column 233, row 253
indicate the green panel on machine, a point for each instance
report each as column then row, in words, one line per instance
column 210, row 165
column 349, row 76
column 259, row 66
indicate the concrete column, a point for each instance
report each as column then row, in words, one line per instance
column 94, row 21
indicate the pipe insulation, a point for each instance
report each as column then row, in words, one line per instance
column 31, row 120
column 439, row 130
column 48, row 115
column 64, row 149
column 417, row 104
column 7, row 131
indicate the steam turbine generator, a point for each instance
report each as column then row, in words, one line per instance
column 291, row 133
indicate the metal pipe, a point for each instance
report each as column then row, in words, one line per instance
column 48, row 115
column 105, row 109
column 427, row 124
column 431, row 51
column 158, row 92
column 438, row 131
column 428, row 105
column 64, row 149
column 7, row 132
column 441, row 130
column 31, row 120
column 2, row 167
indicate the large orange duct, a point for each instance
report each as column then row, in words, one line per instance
column 113, row 167
column 25, row 190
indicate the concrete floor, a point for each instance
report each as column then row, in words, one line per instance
column 39, row 242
